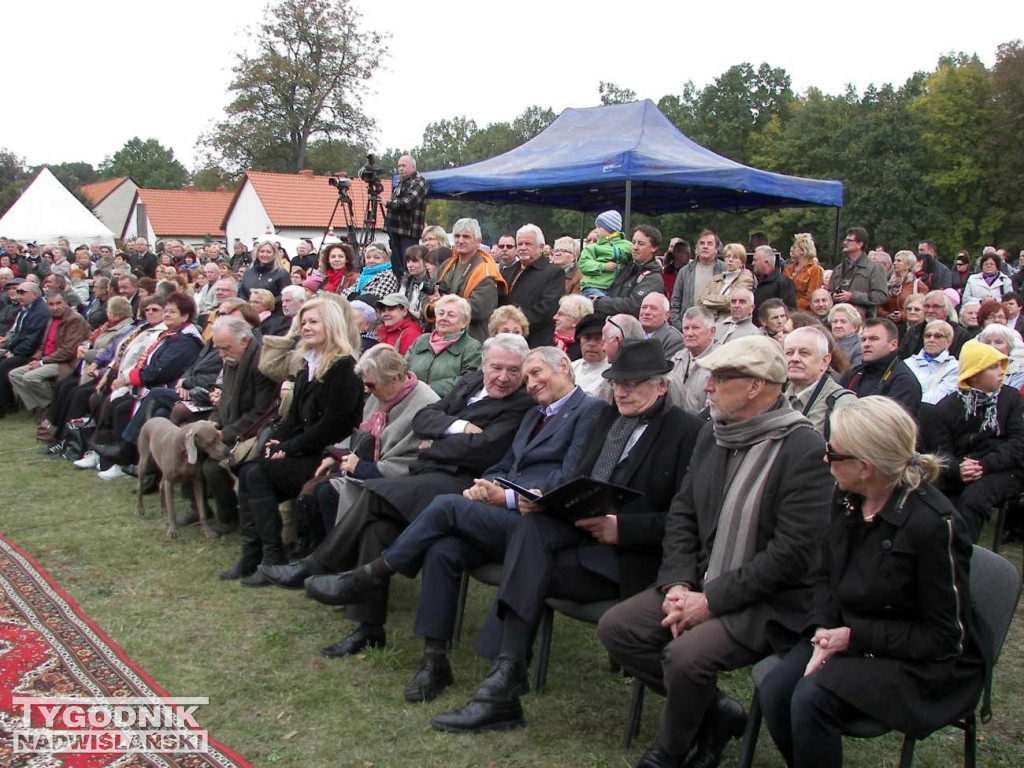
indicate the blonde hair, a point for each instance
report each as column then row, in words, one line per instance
column 805, row 243
column 507, row 312
column 265, row 296
column 909, row 258
column 850, row 311
column 915, row 298
column 458, row 301
column 942, row 325
column 879, row 432
column 277, row 253
column 336, row 328
column 437, row 232
column 736, row 249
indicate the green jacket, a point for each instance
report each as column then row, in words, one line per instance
column 596, row 255
column 443, row 370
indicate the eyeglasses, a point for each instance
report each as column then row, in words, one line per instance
column 505, row 247
column 718, row 377
column 20, row 291
column 628, row 385
column 832, row 456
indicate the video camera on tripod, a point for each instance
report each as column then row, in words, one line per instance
column 371, row 175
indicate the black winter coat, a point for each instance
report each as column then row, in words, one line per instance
column 322, row 413
column 900, row 584
column 171, row 359
column 536, row 290
column 958, row 437
column 205, row 370
column 631, row 285
column 264, row 276
column 656, row 466
column 246, row 396
column 765, row 601
column 29, row 337
column 888, row 376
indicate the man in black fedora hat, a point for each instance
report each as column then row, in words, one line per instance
column 647, row 445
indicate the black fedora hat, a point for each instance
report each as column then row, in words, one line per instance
column 639, row 359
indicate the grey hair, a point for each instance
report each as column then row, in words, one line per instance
column 36, row 287
column 570, row 243
column 767, row 250
column 294, row 291
column 946, row 328
column 909, row 258
column 702, row 312
column 461, row 303
column 368, row 313
column 381, row 363
column 851, row 312
column 531, row 229
column 995, row 329
column 665, row 303
column 468, row 224
column 379, row 246
column 580, row 306
column 625, row 326
column 510, row 342
column 239, row 329
column 820, row 339
column 553, row 357
column 6, row 273
column 945, row 300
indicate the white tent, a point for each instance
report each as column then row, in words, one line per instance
column 47, row 211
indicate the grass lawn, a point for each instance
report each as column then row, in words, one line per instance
column 275, row 700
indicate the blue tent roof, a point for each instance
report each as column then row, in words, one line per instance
column 584, row 158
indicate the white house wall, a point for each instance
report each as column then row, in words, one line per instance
column 248, row 219
column 114, row 208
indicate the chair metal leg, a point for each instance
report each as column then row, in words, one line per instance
column 970, row 741
column 460, row 609
column 636, row 710
column 997, row 540
column 907, row 753
column 547, row 625
column 750, row 733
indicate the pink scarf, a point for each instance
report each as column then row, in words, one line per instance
column 562, row 341
column 376, row 422
column 440, row 343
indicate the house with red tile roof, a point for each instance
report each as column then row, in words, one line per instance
column 180, row 214
column 111, row 201
column 294, row 205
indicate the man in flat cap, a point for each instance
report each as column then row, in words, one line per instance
column 741, row 542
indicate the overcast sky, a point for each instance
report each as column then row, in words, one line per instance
column 80, row 79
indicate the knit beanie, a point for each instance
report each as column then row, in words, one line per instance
column 975, row 357
column 610, row 221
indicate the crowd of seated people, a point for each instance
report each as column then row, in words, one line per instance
column 404, row 412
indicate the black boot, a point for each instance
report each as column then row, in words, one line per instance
column 725, row 720
column 252, row 550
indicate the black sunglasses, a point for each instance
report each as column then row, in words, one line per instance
column 832, row 456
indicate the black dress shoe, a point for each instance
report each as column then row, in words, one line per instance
column 355, row 642
column 240, row 569
column 479, row 716
column 506, row 681
column 656, row 757
column 725, row 720
column 434, row 675
column 344, row 588
column 255, row 579
column 293, row 574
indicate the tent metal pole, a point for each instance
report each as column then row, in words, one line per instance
column 583, row 227
column 629, row 203
column 835, row 256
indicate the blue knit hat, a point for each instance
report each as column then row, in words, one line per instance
column 610, row 221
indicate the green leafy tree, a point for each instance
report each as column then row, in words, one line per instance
column 211, row 178
column 13, row 176
column 149, row 164
column 303, row 75
column 1006, row 142
column 613, row 94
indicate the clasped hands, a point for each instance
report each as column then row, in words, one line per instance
column 683, row 609
column 970, row 470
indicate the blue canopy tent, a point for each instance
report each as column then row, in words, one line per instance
column 626, row 156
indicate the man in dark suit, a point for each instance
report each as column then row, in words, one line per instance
column 646, row 445
column 737, row 573
column 463, row 434
column 532, row 285
column 25, row 338
column 458, row 532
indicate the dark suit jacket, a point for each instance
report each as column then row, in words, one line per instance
column 452, row 461
column 656, row 466
column 536, row 292
column 775, row 286
column 246, row 396
column 765, row 602
column 29, row 336
column 549, row 458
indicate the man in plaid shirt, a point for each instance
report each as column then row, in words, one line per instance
column 407, row 210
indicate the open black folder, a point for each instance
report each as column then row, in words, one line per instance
column 577, row 499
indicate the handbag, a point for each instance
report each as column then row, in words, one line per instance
column 250, row 448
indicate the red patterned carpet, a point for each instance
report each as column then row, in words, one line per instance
column 49, row 648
